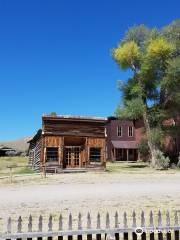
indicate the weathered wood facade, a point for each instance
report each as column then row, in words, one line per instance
column 69, row 142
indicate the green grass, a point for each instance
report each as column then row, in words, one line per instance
column 123, row 167
column 18, row 164
column 25, row 170
column 135, row 167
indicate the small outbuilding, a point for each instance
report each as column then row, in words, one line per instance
column 7, row 151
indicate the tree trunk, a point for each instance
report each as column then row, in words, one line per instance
column 150, row 144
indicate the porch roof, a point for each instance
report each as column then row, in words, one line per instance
column 124, row 144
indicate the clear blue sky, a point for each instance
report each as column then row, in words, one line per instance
column 55, row 56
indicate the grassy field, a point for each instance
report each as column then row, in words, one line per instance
column 18, row 164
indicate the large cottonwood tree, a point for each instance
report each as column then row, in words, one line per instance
column 153, row 90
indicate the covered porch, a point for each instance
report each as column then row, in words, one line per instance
column 124, row 151
column 72, row 152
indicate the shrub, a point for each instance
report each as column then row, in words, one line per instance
column 143, row 149
column 173, row 166
column 162, row 162
column 178, row 164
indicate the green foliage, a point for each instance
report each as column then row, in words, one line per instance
column 158, row 49
column 170, row 86
column 162, row 162
column 127, row 55
column 140, row 35
column 172, row 33
column 152, row 92
column 133, row 109
column 157, row 116
column 143, row 149
column 53, row 114
column 130, row 89
column 157, row 136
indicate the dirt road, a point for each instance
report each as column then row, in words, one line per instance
column 92, row 192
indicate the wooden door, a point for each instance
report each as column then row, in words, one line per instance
column 72, row 157
column 68, row 157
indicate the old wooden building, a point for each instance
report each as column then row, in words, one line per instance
column 123, row 137
column 69, row 142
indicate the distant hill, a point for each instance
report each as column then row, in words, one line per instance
column 19, row 145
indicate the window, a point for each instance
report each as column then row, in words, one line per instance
column 95, row 155
column 51, row 154
column 119, row 131
column 130, row 131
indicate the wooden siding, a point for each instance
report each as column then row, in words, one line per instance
column 71, row 134
column 35, row 155
column 124, row 124
column 53, row 141
column 96, row 142
column 66, row 127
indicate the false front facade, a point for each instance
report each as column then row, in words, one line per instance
column 69, row 142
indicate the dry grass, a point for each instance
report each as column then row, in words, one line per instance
column 25, row 176
column 18, row 165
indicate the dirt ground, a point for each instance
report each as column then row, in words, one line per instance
column 89, row 192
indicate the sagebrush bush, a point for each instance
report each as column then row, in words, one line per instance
column 162, row 162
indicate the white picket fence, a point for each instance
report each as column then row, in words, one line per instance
column 114, row 230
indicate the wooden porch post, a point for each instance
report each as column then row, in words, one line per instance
column 44, row 157
column 88, row 154
column 59, row 155
column 115, row 154
column 127, row 151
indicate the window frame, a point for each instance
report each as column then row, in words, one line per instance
column 95, row 158
column 118, row 128
column 132, row 131
column 52, row 154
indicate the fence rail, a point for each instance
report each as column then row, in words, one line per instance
column 116, row 230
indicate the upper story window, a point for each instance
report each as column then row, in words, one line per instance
column 119, row 131
column 130, row 131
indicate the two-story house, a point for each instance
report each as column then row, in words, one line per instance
column 123, row 137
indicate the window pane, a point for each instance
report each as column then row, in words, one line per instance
column 119, row 131
column 95, row 155
column 51, row 154
column 130, row 131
